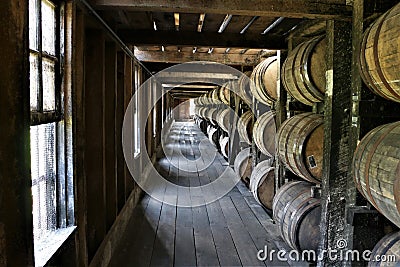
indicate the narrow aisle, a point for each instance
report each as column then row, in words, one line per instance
column 226, row 232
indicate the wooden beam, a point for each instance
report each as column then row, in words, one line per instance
column 16, row 229
column 182, row 57
column 207, row 39
column 337, row 153
column 326, row 9
column 190, row 77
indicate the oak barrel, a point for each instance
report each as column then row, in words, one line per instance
column 303, row 72
column 297, row 215
column 376, row 166
column 264, row 78
column 245, row 128
column 224, row 93
column 243, row 165
column 264, row 132
column 262, row 183
column 380, row 55
column 300, row 145
column 211, row 115
column 212, row 134
column 384, row 251
column 224, row 145
column 244, row 88
column 223, row 119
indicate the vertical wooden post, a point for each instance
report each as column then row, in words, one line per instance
column 16, row 228
column 337, row 155
column 280, row 107
column 234, row 140
column 78, row 126
column 119, row 117
column 93, row 104
column 108, row 131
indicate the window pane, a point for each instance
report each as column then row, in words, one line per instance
column 34, row 81
column 33, row 24
column 49, row 102
column 43, row 171
column 48, row 27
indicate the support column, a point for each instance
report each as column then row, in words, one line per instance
column 94, row 162
column 109, row 132
column 280, row 108
column 16, row 227
column 337, row 154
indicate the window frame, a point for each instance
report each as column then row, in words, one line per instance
column 63, row 170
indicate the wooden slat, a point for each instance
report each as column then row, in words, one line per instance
column 307, row 8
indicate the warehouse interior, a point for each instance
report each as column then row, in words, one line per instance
column 200, row 133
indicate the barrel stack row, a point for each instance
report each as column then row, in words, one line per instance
column 298, row 143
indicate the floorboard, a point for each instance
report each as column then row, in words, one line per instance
column 227, row 232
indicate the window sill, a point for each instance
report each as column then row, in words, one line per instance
column 47, row 246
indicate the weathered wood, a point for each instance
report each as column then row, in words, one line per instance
column 305, row 9
column 206, row 39
column 280, row 117
column 303, row 72
column 245, row 127
column 128, row 93
column 375, row 169
column 94, row 164
column 264, row 81
column 78, row 109
column 379, row 56
column 243, row 165
column 300, row 145
column 262, row 183
column 337, row 155
column 183, row 57
column 16, row 231
column 119, row 117
column 191, row 77
column 264, row 132
column 109, row 132
column 297, row 214
column 387, row 251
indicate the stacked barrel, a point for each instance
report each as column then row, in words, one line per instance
column 212, row 115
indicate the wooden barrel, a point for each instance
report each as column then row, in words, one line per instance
column 264, row 80
column 211, row 115
column 376, row 166
column 243, row 165
column 244, row 88
column 245, row 127
column 223, row 119
column 224, row 145
column 300, row 145
column 215, row 96
column 224, row 93
column 262, row 183
column 297, row 215
column 303, row 72
column 264, row 132
column 380, row 55
column 203, row 112
column 212, row 134
column 386, row 252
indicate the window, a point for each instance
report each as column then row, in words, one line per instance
column 51, row 129
column 136, row 117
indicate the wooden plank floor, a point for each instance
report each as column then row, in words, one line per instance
column 226, row 232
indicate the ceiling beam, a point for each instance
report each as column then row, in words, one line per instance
column 182, row 57
column 324, row 9
column 182, row 77
column 207, row 39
